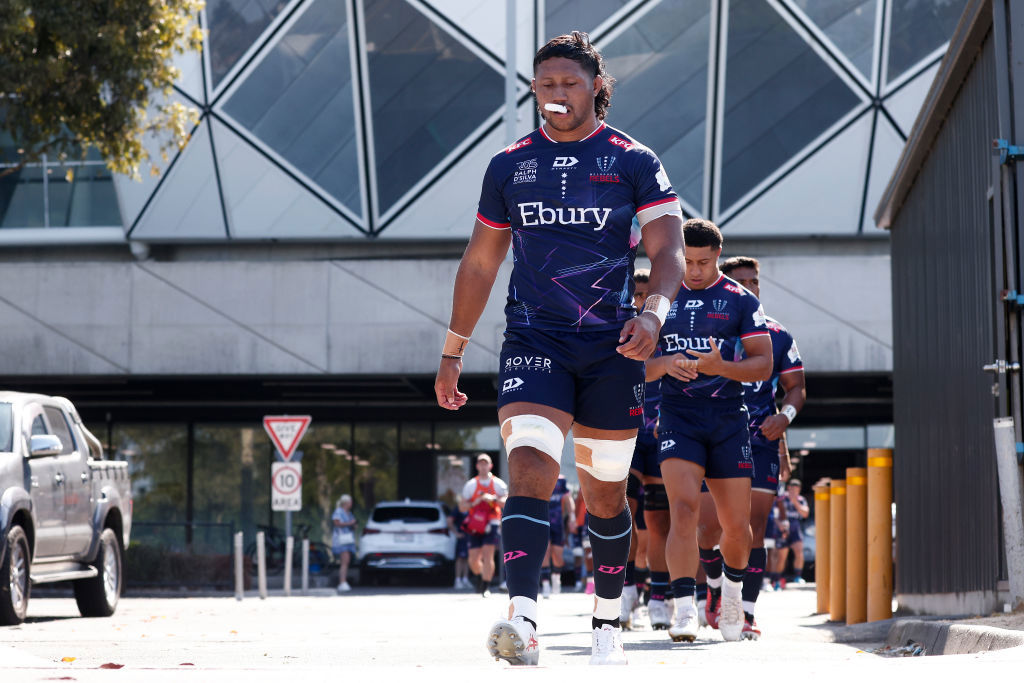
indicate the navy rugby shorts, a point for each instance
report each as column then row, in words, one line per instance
column 645, row 455
column 578, row 372
column 490, row 537
column 714, row 436
column 765, row 455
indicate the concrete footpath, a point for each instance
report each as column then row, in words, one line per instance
column 392, row 633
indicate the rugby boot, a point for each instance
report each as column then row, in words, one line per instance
column 515, row 641
column 606, row 646
column 628, row 605
column 730, row 616
column 750, row 629
column 545, row 589
column 684, row 626
column 712, row 607
column 702, row 617
column 660, row 612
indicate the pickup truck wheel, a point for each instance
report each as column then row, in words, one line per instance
column 14, row 572
column 98, row 596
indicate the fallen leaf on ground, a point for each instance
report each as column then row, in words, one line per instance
column 111, row 665
column 68, row 659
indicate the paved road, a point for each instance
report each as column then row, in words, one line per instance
column 387, row 633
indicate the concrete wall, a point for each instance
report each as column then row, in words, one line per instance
column 351, row 317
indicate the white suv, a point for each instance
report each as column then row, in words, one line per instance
column 409, row 536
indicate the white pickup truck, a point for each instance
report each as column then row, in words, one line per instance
column 65, row 512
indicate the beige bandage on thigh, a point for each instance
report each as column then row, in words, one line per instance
column 604, row 459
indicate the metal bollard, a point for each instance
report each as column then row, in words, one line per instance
column 305, row 566
column 856, row 545
column 821, row 553
column 239, row 574
column 261, row 563
column 879, row 534
column 837, row 551
column 289, row 551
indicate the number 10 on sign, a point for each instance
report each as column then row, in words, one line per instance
column 285, row 486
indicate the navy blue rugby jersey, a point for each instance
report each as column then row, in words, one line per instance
column 760, row 396
column 725, row 311
column 570, row 206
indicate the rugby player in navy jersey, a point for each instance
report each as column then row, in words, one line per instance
column 645, row 475
column 703, row 427
column 564, row 197
column 770, row 455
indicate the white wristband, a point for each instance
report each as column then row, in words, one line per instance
column 789, row 411
column 658, row 305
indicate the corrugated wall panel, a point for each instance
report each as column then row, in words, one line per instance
column 943, row 328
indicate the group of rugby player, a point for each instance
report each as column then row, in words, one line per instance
column 573, row 199
column 756, row 453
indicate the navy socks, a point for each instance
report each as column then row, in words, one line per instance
column 609, row 542
column 755, row 574
column 524, row 540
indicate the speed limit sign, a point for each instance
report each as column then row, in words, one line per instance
column 285, row 486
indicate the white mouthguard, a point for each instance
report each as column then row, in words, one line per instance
column 551, row 106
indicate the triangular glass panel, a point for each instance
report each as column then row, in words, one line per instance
column 187, row 204
column 133, row 194
column 299, row 102
column 234, row 25
column 660, row 98
column 428, row 93
column 820, row 196
column 263, row 201
column 887, row 147
column 918, row 28
column 905, row 103
column 565, row 16
column 779, row 97
column 849, row 25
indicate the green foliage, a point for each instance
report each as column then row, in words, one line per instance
column 76, row 74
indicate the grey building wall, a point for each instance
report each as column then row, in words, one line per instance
column 374, row 317
column 943, row 326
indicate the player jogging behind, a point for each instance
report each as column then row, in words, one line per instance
column 703, row 428
column 770, row 456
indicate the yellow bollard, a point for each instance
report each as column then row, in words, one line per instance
column 822, row 549
column 856, row 545
column 837, row 551
column 879, row 534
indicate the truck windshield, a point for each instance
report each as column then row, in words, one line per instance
column 6, row 428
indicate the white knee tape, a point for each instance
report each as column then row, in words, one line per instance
column 533, row 431
column 604, row 459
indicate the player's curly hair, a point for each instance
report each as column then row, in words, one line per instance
column 577, row 47
column 733, row 262
column 699, row 232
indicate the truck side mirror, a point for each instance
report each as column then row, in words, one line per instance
column 44, row 444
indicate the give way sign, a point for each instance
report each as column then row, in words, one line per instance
column 286, row 431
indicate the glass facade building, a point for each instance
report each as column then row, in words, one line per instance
column 365, row 125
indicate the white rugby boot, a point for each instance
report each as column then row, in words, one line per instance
column 629, row 604
column 660, row 613
column 685, row 625
column 606, row 646
column 702, row 618
column 730, row 620
column 515, row 641
column 545, row 589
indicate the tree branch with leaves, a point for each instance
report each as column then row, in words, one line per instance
column 80, row 74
